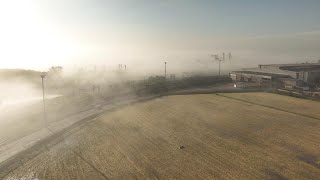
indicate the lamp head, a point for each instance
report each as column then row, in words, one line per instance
column 43, row 75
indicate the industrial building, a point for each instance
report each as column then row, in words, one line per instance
column 290, row 76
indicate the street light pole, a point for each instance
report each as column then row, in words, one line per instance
column 165, row 70
column 219, row 66
column 44, row 105
column 216, row 57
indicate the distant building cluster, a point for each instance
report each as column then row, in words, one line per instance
column 303, row 76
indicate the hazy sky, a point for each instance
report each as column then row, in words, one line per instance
column 37, row 34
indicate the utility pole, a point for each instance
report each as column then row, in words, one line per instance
column 44, row 105
column 223, row 56
column 219, row 60
column 165, row 70
column 230, row 56
column 216, row 58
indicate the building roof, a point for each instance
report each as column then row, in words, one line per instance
column 290, row 64
column 263, row 72
column 268, row 71
column 296, row 67
column 283, row 70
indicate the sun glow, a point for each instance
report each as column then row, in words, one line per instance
column 27, row 40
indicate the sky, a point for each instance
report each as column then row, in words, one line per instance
column 37, row 34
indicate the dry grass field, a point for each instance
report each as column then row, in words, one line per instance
column 226, row 136
column 286, row 103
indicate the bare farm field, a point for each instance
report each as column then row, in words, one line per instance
column 212, row 136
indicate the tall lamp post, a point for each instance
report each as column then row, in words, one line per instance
column 43, row 98
column 216, row 58
column 165, row 70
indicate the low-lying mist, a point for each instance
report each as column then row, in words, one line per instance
column 12, row 92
